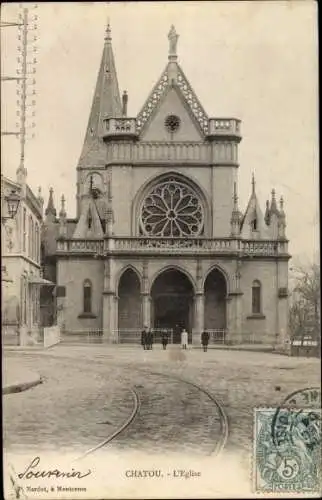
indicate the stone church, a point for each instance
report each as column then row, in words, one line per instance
column 159, row 238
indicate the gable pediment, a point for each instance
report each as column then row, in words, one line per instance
column 172, row 95
column 172, row 105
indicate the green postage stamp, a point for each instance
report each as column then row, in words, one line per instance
column 287, row 450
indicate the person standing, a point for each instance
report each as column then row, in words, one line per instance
column 184, row 339
column 205, row 340
column 149, row 339
column 164, row 339
column 144, row 338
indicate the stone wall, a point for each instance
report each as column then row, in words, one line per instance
column 71, row 274
column 266, row 327
column 127, row 183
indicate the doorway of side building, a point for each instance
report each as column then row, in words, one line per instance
column 172, row 303
column 215, row 319
column 129, row 307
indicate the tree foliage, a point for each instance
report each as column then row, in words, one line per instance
column 304, row 316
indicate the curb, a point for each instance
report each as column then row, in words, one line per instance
column 22, row 386
column 230, row 348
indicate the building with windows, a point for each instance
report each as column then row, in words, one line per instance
column 159, row 238
column 21, row 270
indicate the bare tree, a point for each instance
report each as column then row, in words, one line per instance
column 304, row 317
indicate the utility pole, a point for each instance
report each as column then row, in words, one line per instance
column 25, row 79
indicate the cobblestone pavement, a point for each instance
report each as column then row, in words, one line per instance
column 85, row 396
column 173, row 416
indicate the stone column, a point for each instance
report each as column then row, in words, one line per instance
column 282, row 309
column 234, row 317
column 109, row 304
column 146, row 309
column 109, row 330
column 115, row 332
column 199, row 316
column 234, row 309
column 199, row 306
column 146, row 298
column 60, row 308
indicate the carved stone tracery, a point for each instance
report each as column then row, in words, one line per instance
column 171, row 209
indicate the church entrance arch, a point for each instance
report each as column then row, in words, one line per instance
column 129, row 307
column 215, row 290
column 172, row 303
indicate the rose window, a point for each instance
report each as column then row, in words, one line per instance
column 172, row 123
column 171, row 209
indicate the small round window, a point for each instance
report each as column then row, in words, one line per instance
column 172, row 123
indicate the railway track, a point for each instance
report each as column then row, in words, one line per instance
column 148, row 422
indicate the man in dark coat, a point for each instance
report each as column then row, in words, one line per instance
column 164, row 338
column 205, row 340
column 144, row 338
column 149, row 337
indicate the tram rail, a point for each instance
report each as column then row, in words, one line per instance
column 219, row 441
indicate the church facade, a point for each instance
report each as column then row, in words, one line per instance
column 159, row 239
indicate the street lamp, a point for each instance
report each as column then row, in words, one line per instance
column 13, row 200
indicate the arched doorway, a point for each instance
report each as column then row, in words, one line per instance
column 172, row 303
column 129, row 307
column 215, row 303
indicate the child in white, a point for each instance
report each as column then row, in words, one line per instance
column 184, row 339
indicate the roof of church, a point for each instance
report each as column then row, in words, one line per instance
column 172, row 75
column 89, row 224
column 106, row 103
column 253, row 212
column 50, row 205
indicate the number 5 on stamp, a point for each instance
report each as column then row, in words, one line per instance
column 286, row 453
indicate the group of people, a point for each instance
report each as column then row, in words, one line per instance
column 147, row 339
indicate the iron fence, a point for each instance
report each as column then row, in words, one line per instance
column 218, row 336
column 133, row 335
column 88, row 336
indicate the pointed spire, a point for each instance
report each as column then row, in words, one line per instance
column 108, row 32
column 235, row 215
column 267, row 216
column 281, row 220
column 273, row 208
column 252, row 225
column 62, row 212
column 50, row 210
column 173, row 76
column 62, row 219
column 125, row 99
column 106, row 102
column 40, row 197
column 253, row 183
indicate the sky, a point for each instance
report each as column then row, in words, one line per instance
column 256, row 61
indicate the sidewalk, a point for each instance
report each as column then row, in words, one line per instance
column 16, row 378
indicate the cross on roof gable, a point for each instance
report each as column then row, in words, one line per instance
column 159, row 90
